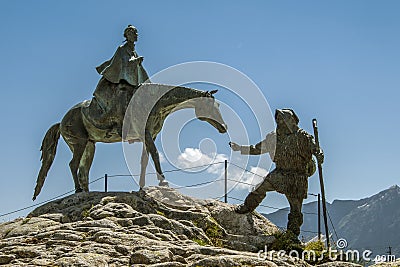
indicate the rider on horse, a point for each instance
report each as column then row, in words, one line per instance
column 121, row 75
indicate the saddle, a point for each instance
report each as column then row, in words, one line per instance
column 107, row 108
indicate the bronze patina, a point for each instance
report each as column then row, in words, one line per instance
column 124, row 86
column 291, row 149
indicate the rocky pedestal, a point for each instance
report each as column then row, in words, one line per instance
column 153, row 227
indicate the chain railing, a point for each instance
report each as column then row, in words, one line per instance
column 225, row 196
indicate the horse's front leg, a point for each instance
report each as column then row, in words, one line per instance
column 143, row 165
column 151, row 148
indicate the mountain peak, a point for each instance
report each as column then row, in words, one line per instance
column 393, row 191
column 368, row 223
column 396, row 187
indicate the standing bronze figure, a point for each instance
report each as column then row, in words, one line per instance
column 291, row 149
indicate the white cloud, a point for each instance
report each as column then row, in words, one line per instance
column 238, row 178
column 248, row 179
column 193, row 157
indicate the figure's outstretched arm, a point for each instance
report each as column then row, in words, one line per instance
column 265, row 146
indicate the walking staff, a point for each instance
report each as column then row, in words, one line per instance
column 321, row 182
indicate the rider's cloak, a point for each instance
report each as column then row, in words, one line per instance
column 124, row 65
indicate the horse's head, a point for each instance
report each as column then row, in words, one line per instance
column 207, row 109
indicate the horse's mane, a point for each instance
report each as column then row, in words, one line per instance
column 165, row 89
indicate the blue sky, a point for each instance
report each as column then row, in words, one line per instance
column 338, row 61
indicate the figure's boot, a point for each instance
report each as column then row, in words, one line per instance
column 295, row 217
column 242, row 209
column 251, row 202
column 295, row 220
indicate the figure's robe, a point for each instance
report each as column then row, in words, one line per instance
column 121, row 76
column 124, row 65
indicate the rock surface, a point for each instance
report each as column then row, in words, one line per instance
column 153, row 227
column 388, row 264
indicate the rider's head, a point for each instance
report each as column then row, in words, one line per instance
column 131, row 33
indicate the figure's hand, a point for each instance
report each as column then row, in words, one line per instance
column 320, row 157
column 234, row 146
column 138, row 59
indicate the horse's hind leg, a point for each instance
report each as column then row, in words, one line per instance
column 77, row 150
column 85, row 164
column 76, row 136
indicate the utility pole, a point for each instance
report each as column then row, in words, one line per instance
column 319, row 214
column 389, row 251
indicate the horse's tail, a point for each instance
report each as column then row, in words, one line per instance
column 49, row 149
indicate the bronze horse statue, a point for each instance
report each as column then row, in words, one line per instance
column 81, row 135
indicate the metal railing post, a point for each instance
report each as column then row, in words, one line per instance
column 105, row 183
column 226, row 181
